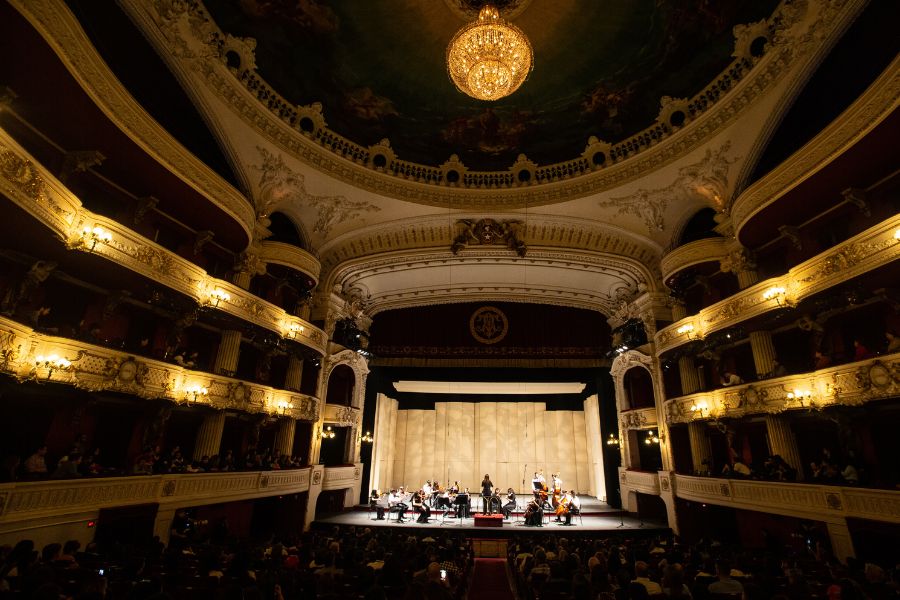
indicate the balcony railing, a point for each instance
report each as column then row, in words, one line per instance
column 694, row 253
column 28, row 355
column 36, row 190
column 638, row 418
column 337, row 478
column 344, row 416
column 850, row 384
column 645, row 482
column 808, row 501
column 871, row 249
column 36, row 499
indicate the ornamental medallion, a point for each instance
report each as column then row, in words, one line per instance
column 488, row 325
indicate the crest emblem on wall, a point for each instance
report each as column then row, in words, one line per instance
column 488, row 325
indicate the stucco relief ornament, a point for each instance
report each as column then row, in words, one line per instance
column 488, row 325
column 706, row 180
column 280, row 185
column 634, row 420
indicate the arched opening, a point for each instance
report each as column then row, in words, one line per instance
column 701, row 226
column 284, row 230
column 638, row 388
column 341, row 383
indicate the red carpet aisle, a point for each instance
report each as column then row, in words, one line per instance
column 489, row 580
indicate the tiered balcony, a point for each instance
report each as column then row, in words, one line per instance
column 338, row 478
column 850, row 384
column 38, row 192
column 644, row 482
column 806, row 501
column 28, row 355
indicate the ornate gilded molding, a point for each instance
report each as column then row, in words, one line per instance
column 342, row 416
column 290, row 256
column 46, row 499
column 97, row 368
column 642, row 418
column 820, row 502
column 488, row 232
column 869, row 250
column 851, row 384
column 620, row 276
column 58, row 26
column 694, row 253
column 645, row 482
column 879, row 101
column 39, row 193
column 186, row 33
column 337, row 478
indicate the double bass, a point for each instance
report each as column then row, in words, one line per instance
column 557, row 492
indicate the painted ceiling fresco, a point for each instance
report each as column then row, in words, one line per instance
column 377, row 67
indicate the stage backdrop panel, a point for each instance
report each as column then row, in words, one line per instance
column 461, row 441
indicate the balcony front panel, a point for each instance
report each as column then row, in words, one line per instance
column 871, row 249
column 851, row 384
column 337, row 478
column 37, row 191
column 638, row 418
column 806, row 501
column 38, row 499
column 97, row 368
column 292, row 257
column 645, row 482
column 343, row 416
column 694, row 253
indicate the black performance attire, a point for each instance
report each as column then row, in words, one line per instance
column 487, row 490
column 510, row 505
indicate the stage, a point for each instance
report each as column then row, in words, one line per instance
column 596, row 517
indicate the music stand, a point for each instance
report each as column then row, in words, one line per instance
column 462, row 507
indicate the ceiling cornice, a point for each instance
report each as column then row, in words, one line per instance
column 186, row 32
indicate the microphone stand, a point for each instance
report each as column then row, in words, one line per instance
column 621, row 512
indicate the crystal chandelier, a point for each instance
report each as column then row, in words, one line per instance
column 489, row 58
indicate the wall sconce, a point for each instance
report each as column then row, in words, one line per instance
column 652, row 438
column 327, row 433
column 216, row 296
column 368, row 439
column 897, row 235
column 195, row 392
column 54, row 362
column 688, row 330
column 283, row 406
column 800, row 396
column 776, row 292
column 700, row 407
column 612, row 440
column 294, row 330
column 94, row 235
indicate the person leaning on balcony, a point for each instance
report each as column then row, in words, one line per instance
column 822, row 360
column 860, row 352
column 729, row 378
column 36, row 464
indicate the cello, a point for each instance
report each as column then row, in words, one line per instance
column 563, row 508
column 557, row 492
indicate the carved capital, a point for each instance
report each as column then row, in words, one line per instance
column 79, row 161
column 738, row 261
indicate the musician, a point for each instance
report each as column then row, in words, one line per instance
column 573, row 505
column 395, row 503
column 557, row 493
column 454, row 489
column 375, row 501
column 419, row 505
column 427, row 491
column 442, row 499
column 537, row 482
column 487, row 489
column 510, row 505
column 534, row 514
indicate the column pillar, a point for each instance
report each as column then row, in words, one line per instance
column 316, row 477
column 747, row 277
column 742, row 263
column 841, row 542
column 700, row 449
column 209, row 436
column 783, row 443
column 763, row 352
column 690, row 379
column 679, row 310
column 284, row 435
column 229, row 353
column 294, row 374
column 242, row 279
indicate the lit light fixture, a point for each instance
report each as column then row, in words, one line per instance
column 294, row 330
column 776, row 292
column 612, row 440
column 688, row 330
column 94, row 235
column 700, row 407
column 652, row 438
column 283, row 406
column 328, row 433
column 368, row 439
column 897, row 235
column 218, row 295
column 195, row 393
column 489, row 58
column 54, row 362
column 800, row 396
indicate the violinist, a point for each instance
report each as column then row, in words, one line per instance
column 419, row 505
column 396, row 504
column 510, row 505
column 442, row 499
column 379, row 503
column 534, row 514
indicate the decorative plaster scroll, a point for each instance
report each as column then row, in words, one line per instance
column 706, row 179
column 850, row 385
column 869, row 250
column 487, row 232
column 281, row 185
